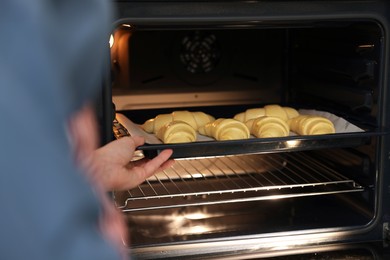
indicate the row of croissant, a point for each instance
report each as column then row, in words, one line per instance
column 265, row 122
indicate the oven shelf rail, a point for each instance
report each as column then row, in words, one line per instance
column 207, row 181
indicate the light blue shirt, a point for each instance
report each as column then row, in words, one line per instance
column 51, row 56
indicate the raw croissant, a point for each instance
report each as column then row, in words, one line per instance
column 225, row 129
column 250, row 114
column 311, row 125
column 176, row 132
column 284, row 113
column 291, row 112
column 194, row 119
column 268, row 126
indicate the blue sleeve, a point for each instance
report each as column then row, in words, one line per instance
column 48, row 211
column 51, row 56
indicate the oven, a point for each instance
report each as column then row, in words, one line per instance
column 318, row 196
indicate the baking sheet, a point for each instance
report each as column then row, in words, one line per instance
column 346, row 135
column 341, row 126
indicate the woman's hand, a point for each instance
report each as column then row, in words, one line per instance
column 110, row 167
column 111, row 164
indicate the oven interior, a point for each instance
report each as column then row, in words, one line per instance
column 313, row 186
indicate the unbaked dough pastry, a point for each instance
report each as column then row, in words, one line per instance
column 250, row 114
column 225, row 129
column 291, row 112
column 311, row 125
column 268, row 126
column 194, row 119
column 276, row 111
column 284, row 113
column 176, row 132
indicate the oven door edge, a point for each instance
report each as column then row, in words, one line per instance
column 327, row 245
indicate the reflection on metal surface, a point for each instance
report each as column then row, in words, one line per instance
column 189, row 221
column 111, row 41
column 197, row 215
column 196, row 230
column 292, row 143
column 255, row 220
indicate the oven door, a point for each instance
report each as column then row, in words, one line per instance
column 354, row 251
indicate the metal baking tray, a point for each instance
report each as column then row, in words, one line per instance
column 212, row 148
column 257, row 145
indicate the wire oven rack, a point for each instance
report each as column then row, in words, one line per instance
column 230, row 179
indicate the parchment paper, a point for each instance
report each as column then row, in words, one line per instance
column 341, row 126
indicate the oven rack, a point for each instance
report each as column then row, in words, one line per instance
column 207, row 181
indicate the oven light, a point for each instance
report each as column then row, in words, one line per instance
column 111, row 41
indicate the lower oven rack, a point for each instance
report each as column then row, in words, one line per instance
column 218, row 180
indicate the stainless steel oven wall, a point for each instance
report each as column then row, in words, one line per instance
column 307, row 47
column 186, row 67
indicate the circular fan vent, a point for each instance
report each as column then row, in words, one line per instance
column 200, row 53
